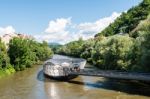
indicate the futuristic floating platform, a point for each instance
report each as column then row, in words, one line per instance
column 61, row 69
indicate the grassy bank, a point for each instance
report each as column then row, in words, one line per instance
column 6, row 71
column 10, row 69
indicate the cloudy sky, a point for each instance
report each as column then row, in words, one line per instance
column 60, row 21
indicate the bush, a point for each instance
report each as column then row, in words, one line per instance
column 24, row 53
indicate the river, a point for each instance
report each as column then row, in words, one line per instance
column 32, row 84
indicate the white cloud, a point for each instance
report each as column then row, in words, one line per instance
column 56, row 30
column 62, row 30
column 7, row 30
column 58, row 26
column 55, row 37
column 90, row 29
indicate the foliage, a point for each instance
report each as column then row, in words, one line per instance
column 128, row 20
column 114, row 53
column 142, row 47
column 21, row 53
column 42, row 50
column 87, row 49
column 54, row 46
column 25, row 52
column 4, row 59
column 5, row 66
column 117, row 52
column 73, row 48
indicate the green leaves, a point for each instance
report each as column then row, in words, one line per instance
column 4, row 59
column 24, row 53
column 128, row 21
column 73, row 48
column 113, row 48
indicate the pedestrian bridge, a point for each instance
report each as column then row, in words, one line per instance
column 114, row 74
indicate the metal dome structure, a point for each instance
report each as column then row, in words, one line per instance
column 60, row 68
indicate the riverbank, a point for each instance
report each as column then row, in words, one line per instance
column 10, row 70
column 6, row 71
column 32, row 84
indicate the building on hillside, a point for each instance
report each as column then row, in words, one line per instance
column 7, row 37
column 24, row 36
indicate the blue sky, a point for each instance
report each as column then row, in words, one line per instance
column 34, row 17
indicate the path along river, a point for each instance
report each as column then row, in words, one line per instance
column 31, row 84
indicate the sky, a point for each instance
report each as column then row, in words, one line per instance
column 60, row 21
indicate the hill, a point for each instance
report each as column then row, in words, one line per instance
column 54, row 46
column 128, row 21
column 109, row 50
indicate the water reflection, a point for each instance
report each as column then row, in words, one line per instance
column 59, row 89
column 32, row 84
column 82, row 85
column 52, row 90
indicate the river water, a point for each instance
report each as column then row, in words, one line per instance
column 32, row 84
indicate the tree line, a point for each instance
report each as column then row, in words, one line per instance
column 118, row 52
column 21, row 54
column 128, row 51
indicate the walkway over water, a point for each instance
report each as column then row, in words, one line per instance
column 98, row 73
column 115, row 74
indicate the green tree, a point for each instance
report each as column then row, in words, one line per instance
column 129, row 20
column 25, row 52
column 4, row 59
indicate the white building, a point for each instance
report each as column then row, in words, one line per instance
column 7, row 37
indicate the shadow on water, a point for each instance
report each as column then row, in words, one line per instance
column 40, row 76
column 129, row 87
column 136, row 88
